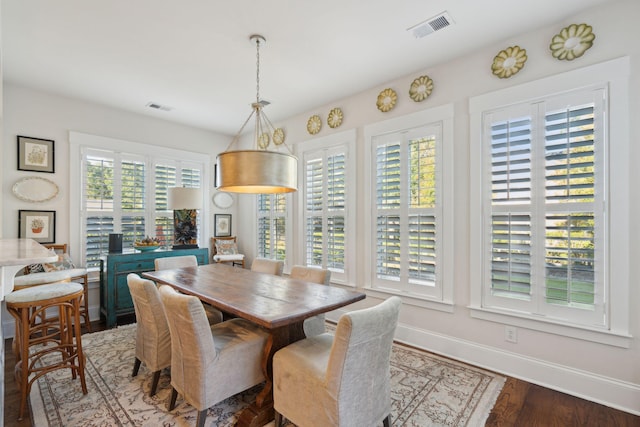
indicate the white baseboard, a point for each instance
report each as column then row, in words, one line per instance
column 607, row 391
column 611, row 392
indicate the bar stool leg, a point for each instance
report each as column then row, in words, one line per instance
column 61, row 334
column 78, row 345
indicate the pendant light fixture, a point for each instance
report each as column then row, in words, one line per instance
column 258, row 170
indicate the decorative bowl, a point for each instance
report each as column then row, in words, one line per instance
column 146, row 248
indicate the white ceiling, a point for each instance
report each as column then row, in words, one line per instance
column 195, row 55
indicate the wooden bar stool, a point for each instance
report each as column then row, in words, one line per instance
column 59, row 336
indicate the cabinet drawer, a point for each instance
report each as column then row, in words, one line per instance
column 134, row 266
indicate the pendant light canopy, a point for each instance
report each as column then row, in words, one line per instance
column 258, row 170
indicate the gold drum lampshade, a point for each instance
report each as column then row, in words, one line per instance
column 256, row 171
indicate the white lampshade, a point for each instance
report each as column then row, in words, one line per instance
column 180, row 198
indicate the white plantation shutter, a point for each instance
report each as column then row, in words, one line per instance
column 132, row 201
column 165, row 177
column 272, row 221
column 98, row 205
column 546, row 194
column 325, row 200
column 314, row 201
column 510, row 201
column 408, row 206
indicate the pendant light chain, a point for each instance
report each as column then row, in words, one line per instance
column 257, row 70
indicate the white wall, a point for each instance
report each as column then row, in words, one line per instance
column 599, row 372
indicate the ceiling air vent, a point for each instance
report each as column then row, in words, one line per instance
column 438, row 22
column 157, row 106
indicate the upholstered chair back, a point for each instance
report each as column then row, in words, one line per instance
column 210, row 363
column 310, row 274
column 192, row 348
column 153, row 340
column 341, row 380
column 358, row 370
column 269, row 266
column 169, row 263
column 314, row 325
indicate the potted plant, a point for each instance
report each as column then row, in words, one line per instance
column 37, row 224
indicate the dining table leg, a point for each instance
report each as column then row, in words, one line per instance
column 261, row 412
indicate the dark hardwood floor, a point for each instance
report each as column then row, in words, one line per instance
column 519, row 404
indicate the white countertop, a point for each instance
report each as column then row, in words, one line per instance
column 23, row 252
column 15, row 254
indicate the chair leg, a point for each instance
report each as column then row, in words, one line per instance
column 278, row 419
column 136, row 367
column 154, row 383
column 202, row 416
column 85, row 303
column 172, row 400
column 79, row 352
column 387, row 421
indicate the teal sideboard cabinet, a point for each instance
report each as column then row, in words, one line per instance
column 115, row 299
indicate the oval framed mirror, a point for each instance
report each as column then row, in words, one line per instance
column 35, row 189
column 223, row 200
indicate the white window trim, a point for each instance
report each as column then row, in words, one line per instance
column 348, row 139
column 615, row 74
column 79, row 141
column 444, row 116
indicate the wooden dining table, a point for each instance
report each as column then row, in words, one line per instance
column 279, row 304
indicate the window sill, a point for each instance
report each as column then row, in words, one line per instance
column 411, row 299
column 600, row 336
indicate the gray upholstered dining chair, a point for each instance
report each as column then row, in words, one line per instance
column 210, row 363
column 269, row 266
column 342, row 380
column 167, row 263
column 314, row 325
column 153, row 341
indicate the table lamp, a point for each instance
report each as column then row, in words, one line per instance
column 185, row 203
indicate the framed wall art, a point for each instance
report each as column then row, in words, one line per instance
column 35, row 154
column 37, row 225
column 222, row 225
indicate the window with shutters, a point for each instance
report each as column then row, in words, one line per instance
column 272, row 226
column 126, row 192
column 327, row 197
column 544, row 188
column 546, row 184
column 410, row 227
column 407, row 208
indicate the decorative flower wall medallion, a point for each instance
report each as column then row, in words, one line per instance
column 572, row 42
column 335, row 118
column 387, row 100
column 314, row 124
column 278, row 136
column 509, row 61
column 263, row 141
column 421, row 88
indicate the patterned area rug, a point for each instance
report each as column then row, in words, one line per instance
column 427, row 390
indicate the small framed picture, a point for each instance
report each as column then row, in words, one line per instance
column 35, row 154
column 222, row 225
column 37, row 225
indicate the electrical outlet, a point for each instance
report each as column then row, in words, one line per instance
column 511, row 334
